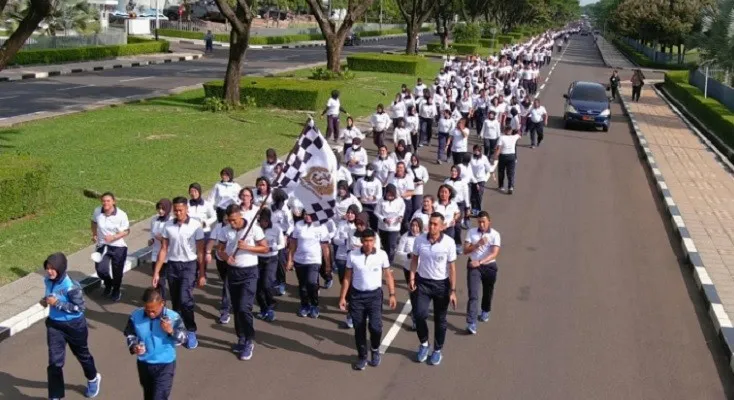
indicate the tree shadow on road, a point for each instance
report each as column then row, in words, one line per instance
column 10, row 387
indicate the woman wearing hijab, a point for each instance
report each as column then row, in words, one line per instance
column 380, row 123
column 401, row 153
column 163, row 210
column 267, row 169
column 225, row 192
column 201, row 210
column 341, row 242
column 350, row 133
column 405, row 186
column 268, row 265
column 357, row 160
column 412, row 123
column 401, row 133
column 109, row 228
column 404, row 252
column 461, row 198
column 390, row 212
column 344, row 200
column 369, row 190
column 283, row 218
column 66, row 325
column 397, row 109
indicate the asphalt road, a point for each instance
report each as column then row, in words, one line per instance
column 592, row 302
column 58, row 93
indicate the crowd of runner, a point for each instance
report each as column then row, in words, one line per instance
column 384, row 217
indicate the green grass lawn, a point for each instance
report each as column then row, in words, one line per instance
column 146, row 151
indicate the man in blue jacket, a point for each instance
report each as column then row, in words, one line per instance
column 152, row 333
column 66, row 324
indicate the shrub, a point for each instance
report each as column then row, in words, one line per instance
column 488, row 43
column 505, row 39
column 376, row 62
column 435, row 47
column 54, row 56
column 643, row 61
column 517, row 36
column 486, row 29
column 286, row 93
column 718, row 118
column 325, row 74
column 466, row 48
column 24, row 181
column 380, row 33
column 467, row 33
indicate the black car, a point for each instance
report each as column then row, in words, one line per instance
column 587, row 104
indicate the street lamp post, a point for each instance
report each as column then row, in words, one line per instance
column 380, row 15
column 157, row 22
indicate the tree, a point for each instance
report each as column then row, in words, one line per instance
column 444, row 14
column 334, row 36
column 715, row 41
column 240, row 18
column 415, row 13
column 36, row 12
column 473, row 9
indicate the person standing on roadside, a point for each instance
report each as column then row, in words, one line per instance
column 241, row 253
column 483, row 246
column 537, row 120
column 183, row 247
column 110, row 226
column 365, row 271
column 163, row 208
column 152, row 334
column 66, row 324
column 506, row 154
column 638, row 80
column 433, row 278
column 332, row 111
column 614, row 82
column 225, row 192
column 209, row 42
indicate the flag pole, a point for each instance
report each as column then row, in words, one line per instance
column 277, row 177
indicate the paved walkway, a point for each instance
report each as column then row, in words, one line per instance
column 611, row 56
column 45, row 71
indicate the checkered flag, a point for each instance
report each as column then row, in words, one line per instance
column 309, row 174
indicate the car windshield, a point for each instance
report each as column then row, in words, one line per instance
column 588, row 93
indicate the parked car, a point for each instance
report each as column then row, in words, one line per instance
column 587, row 104
column 352, row 40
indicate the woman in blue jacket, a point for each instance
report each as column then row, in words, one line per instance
column 152, row 333
column 66, row 324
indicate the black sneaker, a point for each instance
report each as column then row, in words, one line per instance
column 107, row 291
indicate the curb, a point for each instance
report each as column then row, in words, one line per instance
column 723, row 152
column 320, row 43
column 23, row 320
column 722, row 323
column 94, row 68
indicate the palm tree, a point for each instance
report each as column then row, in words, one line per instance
column 716, row 39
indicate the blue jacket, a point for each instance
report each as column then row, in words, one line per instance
column 160, row 347
column 70, row 304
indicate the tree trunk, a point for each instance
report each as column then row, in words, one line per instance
column 334, row 52
column 38, row 10
column 413, row 31
column 238, row 47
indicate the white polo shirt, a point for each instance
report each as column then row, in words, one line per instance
column 231, row 237
column 111, row 224
column 434, row 258
column 447, row 211
column 367, row 269
column 182, row 239
column 403, row 184
column 537, row 113
column 309, row 237
column 493, row 240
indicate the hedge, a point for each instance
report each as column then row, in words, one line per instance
column 54, row 56
column 435, row 47
column 285, row 39
column 489, row 43
column 24, row 182
column 285, row 93
column 716, row 116
column 466, row 48
column 643, row 61
column 376, row 62
column 516, row 35
column 505, row 39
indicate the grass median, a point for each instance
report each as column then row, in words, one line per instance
column 145, row 151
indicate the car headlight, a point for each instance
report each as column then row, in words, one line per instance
column 605, row 113
column 571, row 109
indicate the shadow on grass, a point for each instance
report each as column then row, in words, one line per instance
column 6, row 137
column 194, row 103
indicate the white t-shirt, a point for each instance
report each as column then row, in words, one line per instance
column 491, row 129
column 493, row 240
column 390, row 214
column 367, row 269
column 434, row 258
column 332, row 107
column 156, row 229
column 508, row 144
column 536, row 114
column 448, row 211
column 481, row 169
column 459, row 140
column 111, row 224
column 231, row 237
column 309, row 237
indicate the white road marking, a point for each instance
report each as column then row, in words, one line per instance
column 395, row 328
column 135, row 79
column 74, row 87
column 8, row 97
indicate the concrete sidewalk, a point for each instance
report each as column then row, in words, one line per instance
column 45, row 71
column 19, row 308
column 615, row 59
column 295, row 45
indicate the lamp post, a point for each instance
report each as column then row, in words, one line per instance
column 157, row 22
column 380, row 15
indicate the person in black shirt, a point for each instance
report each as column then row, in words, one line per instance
column 614, row 84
